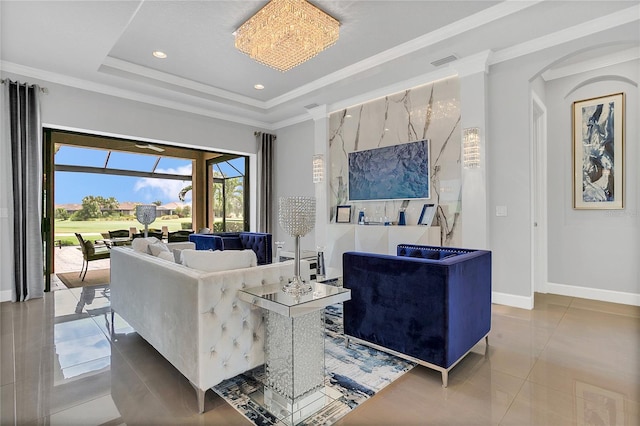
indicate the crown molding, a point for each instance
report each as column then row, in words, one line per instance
column 431, row 77
column 592, row 64
column 301, row 118
column 237, row 113
column 154, row 75
column 476, row 20
column 128, row 94
column 318, row 112
column 473, row 64
column 584, row 29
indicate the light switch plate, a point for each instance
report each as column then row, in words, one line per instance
column 501, row 210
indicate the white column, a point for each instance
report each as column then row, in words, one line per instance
column 321, row 146
column 472, row 72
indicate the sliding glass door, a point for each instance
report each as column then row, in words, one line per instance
column 228, row 197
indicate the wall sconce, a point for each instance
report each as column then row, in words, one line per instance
column 471, row 148
column 318, row 168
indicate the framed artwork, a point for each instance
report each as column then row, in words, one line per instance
column 428, row 212
column 343, row 214
column 598, row 152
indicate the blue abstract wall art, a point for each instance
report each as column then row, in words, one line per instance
column 398, row 172
column 598, row 151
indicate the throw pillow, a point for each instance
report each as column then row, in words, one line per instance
column 177, row 255
column 142, row 244
column 157, row 248
column 166, row 255
column 212, row 261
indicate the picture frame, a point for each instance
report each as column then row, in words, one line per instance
column 427, row 214
column 343, row 214
column 598, row 152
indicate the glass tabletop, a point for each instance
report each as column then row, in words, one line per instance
column 272, row 297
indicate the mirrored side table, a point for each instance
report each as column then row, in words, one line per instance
column 294, row 347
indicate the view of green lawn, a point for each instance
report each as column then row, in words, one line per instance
column 93, row 229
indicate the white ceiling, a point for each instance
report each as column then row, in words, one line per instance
column 106, row 46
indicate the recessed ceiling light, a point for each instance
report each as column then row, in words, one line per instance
column 258, row 87
column 348, row 115
column 159, row 54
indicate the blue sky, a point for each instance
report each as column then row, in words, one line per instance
column 71, row 187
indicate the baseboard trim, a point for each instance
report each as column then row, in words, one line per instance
column 594, row 294
column 524, row 302
column 5, row 296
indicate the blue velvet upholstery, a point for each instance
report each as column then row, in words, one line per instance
column 260, row 243
column 430, row 303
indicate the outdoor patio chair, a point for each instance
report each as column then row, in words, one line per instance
column 152, row 233
column 89, row 253
column 179, row 236
column 120, row 233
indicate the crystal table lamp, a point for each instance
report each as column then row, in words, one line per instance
column 297, row 216
column 146, row 214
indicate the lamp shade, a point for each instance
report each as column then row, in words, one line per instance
column 297, row 216
column 146, row 213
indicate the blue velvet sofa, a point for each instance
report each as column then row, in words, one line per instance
column 257, row 241
column 428, row 304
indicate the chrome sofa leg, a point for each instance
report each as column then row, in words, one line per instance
column 445, row 378
column 200, row 394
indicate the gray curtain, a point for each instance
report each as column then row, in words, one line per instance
column 22, row 104
column 266, row 144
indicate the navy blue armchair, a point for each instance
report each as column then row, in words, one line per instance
column 259, row 242
column 428, row 304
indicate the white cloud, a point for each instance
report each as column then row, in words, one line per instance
column 166, row 190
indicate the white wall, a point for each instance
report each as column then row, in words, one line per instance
column 508, row 146
column 76, row 109
column 594, row 249
column 508, row 176
column 293, row 155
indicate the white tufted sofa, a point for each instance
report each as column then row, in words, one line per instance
column 193, row 318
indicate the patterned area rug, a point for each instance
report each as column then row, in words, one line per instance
column 353, row 375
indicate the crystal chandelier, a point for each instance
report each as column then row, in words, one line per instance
column 286, row 33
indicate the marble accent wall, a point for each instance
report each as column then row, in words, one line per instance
column 429, row 112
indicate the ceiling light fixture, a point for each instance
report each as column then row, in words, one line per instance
column 159, row 54
column 149, row 146
column 258, row 87
column 286, row 33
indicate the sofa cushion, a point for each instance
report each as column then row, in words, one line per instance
column 167, row 255
column 157, row 248
column 142, row 244
column 177, row 255
column 212, row 261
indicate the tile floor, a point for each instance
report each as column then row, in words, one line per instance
column 567, row 362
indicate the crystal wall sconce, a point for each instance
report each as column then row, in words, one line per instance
column 318, row 168
column 471, row 148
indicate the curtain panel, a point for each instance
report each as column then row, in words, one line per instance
column 23, row 134
column 266, row 144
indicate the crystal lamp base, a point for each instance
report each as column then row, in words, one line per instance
column 297, row 287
